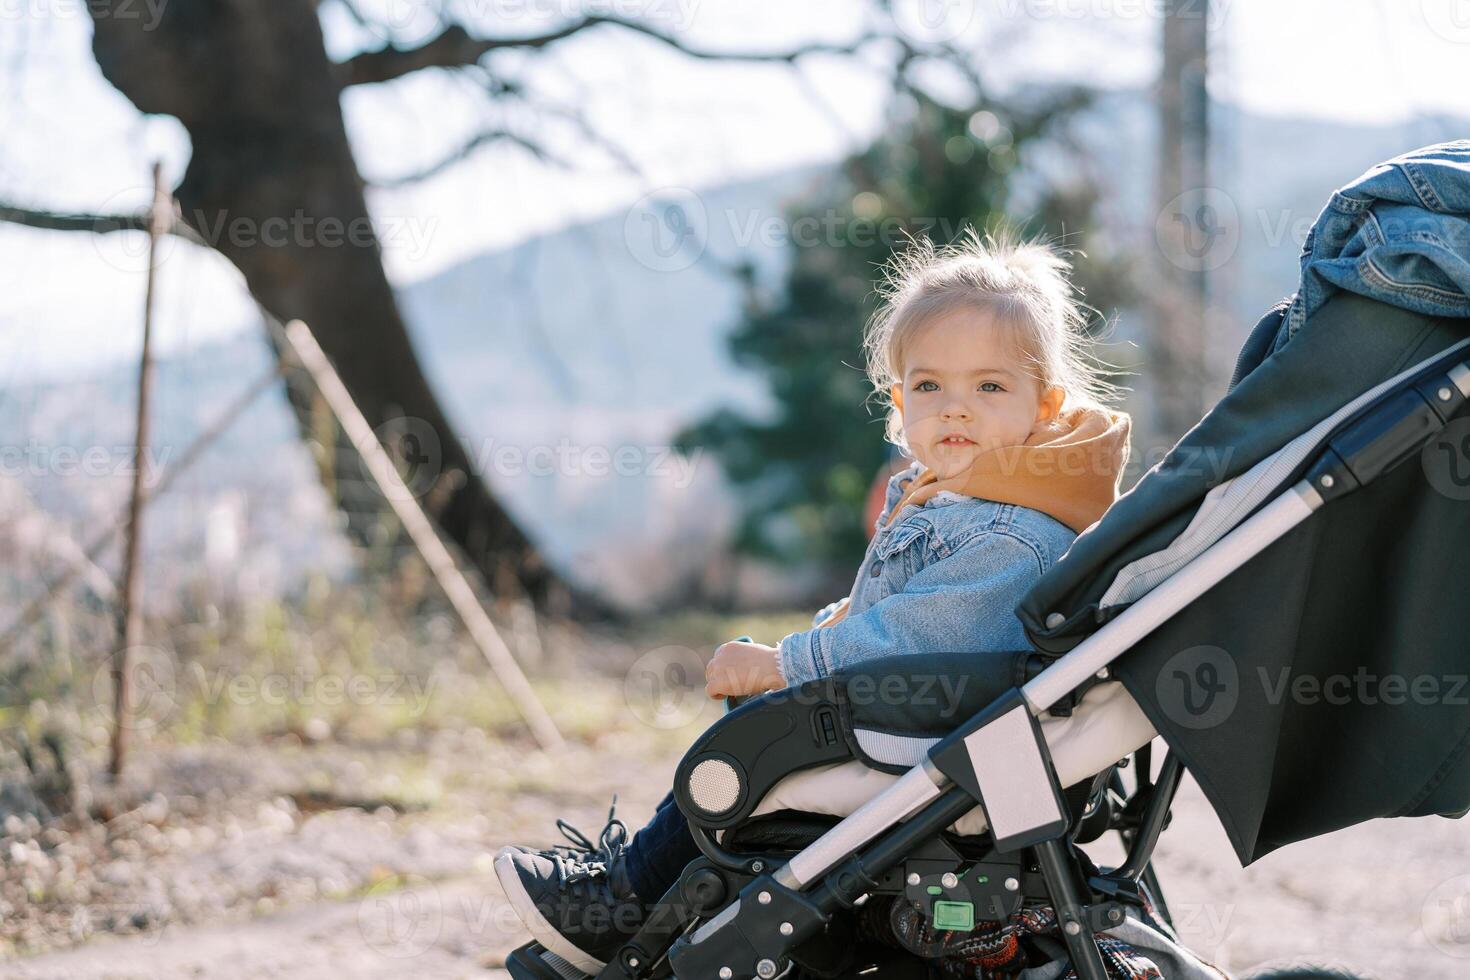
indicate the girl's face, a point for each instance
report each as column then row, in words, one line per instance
column 966, row 390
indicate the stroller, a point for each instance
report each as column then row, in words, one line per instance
column 925, row 816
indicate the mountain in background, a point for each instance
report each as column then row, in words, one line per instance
column 585, row 340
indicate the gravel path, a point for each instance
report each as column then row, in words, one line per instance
column 1362, row 900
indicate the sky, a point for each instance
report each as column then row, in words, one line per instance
column 74, row 143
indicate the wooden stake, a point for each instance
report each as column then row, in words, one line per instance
column 130, row 625
column 423, row 533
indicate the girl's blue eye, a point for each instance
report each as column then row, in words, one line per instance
column 990, row 386
column 931, row 386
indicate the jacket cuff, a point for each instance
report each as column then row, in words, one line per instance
column 800, row 658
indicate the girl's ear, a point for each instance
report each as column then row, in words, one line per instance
column 896, row 393
column 1051, row 405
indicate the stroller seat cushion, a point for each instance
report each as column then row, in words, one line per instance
column 1105, row 726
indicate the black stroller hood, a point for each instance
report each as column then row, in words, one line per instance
column 1324, row 683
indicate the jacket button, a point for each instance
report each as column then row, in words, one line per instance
column 1054, row 620
column 877, row 569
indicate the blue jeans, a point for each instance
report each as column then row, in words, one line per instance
column 657, row 854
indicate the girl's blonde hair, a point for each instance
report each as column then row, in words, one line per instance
column 1022, row 284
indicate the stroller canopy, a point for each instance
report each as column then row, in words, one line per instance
column 1325, row 682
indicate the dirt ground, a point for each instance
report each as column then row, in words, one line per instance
column 1380, row 899
column 367, row 852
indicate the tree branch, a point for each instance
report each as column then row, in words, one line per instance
column 455, row 48
column 468, row 147
column 56, row 221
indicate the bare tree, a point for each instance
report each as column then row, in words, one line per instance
column 253, row 85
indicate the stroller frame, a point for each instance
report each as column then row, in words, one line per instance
column 734, row 916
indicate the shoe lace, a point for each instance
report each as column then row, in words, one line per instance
column 596, row 858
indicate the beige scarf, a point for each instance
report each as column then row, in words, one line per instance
column 1068, row 469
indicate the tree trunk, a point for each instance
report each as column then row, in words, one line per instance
column 272, row 184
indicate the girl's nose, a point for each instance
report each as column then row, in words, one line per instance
column 955, row 411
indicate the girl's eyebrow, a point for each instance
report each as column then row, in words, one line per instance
column 1004, row 371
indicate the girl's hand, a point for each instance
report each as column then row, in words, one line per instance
column 741, row 668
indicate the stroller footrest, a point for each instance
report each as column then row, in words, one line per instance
column 535, row 962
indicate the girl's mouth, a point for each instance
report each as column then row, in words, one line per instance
column 956, row 441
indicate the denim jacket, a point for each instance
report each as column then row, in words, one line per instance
column 1400, row 233
column 944, row 577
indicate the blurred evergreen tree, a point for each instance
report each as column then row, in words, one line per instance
column 803, row 474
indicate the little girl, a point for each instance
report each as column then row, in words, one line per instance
column 978, row 350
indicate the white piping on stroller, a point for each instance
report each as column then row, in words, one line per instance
column 1227, row 504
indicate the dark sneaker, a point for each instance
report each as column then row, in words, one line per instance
column 581, row 908
column 579, row 846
